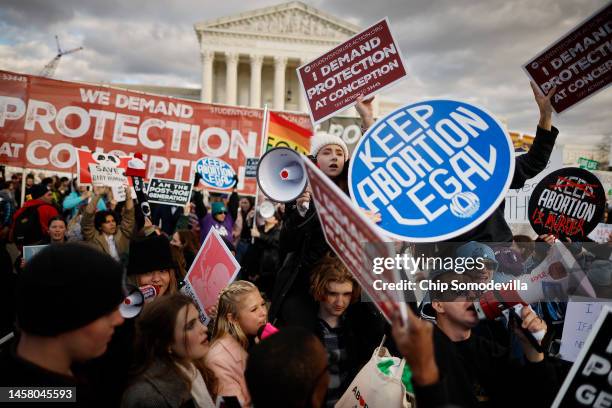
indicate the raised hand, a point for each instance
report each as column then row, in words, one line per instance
column 100, row 190
column 533, row 324
column 365, row 110
column 415, row 342
column 544, row 105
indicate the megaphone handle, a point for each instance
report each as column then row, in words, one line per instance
column 529, row 335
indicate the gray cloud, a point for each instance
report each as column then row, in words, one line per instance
column 465, row 49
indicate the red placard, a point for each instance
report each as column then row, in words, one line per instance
column 85, row 158
column 213, row 268
column 364, row 65
column 355, row 240
column 579, row 64
column 43, row 120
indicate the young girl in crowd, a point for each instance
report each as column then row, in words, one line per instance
column 151, row 263
column 101, row 229
column 171, row 343
column 56, row 235
column 57, row 231
column 241, row 312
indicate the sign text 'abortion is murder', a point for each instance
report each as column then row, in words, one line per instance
column 433, row 170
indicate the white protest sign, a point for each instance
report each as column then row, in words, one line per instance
column 517, row 200
column 30, row 250
column 588, row 382
column 580, row 316
column 601, row 233
column 109, row 176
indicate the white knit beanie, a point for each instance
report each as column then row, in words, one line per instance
column 322, row 139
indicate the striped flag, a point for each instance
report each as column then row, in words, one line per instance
column 284, row 133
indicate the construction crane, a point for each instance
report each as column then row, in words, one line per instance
column 50, row 68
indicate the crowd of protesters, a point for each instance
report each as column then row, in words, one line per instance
column 61, row 323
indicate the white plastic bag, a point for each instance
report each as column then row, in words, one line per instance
column 373, row 389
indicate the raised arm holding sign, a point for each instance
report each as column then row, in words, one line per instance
column 413, row 144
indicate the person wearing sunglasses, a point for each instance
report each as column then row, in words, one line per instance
column 219, row 219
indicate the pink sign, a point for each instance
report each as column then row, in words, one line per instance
column 365, row 64
column 213, row 268
column 355, row 240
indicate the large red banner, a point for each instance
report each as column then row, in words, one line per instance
column 43, row 120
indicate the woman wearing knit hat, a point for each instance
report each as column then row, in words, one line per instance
column 302, row 243
column 151, row 263
column 67, row 303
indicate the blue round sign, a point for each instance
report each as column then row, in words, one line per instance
column 433, row 170
column 215, row 172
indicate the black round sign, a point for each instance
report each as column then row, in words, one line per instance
column 568, row 203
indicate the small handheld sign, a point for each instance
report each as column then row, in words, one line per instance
column 433, row 169
column 250, row 171
column 568, row 203
column 216, row 173
column 577, row 64
column 365, row 64
column 169, row 192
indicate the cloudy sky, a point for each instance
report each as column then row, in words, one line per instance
column 465, row 49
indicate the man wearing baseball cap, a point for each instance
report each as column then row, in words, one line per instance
column 67, row 306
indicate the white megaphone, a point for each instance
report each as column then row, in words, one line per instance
column 266, row 209
column 134, row 302
column 281, row 174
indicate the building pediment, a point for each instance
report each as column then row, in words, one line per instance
column 289, row 20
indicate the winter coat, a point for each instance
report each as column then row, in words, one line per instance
column 302, row 246
column 122, row 237
column 157, row 387
column 227, row 359
column 224, row 228
column 45, row 210
column 73, row 201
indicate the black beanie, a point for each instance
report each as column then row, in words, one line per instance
column 39, row 190
column 150, row 254
column 65, row 287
